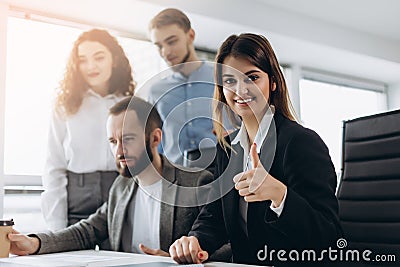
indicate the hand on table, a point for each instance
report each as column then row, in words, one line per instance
column 153, row 251
column 187, row 250
column 23, row 244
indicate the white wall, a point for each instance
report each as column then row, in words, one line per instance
column 394, row 96
column 3, row 53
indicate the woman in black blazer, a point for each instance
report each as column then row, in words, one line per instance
column 276, row 181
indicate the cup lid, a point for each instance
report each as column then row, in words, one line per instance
column 6, row 222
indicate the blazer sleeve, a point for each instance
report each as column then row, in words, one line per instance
column 310, row 214
column 85, row 234
column 54, row 198
column 209, row 227
column 203, row 185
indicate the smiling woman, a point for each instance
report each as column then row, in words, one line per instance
column 96, row 65
column 278, row 175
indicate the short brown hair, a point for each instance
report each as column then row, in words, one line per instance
column 170, row 16
column 147, row 114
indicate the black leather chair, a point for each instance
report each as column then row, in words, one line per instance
column 202, row 158
column 369, row 191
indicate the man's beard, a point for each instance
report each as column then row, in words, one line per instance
column 179, row 66
column 144, row 160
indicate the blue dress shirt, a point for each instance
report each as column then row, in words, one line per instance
column 185, row 106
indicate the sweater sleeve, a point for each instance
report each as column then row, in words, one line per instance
column 85, row 234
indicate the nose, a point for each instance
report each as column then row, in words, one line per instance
column 241, row 88
column 120, row 150
column 91, row 64
column 165, row 51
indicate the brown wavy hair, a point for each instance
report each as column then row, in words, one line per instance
column 258, row 51
column 73, row 86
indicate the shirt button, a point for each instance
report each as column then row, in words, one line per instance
column 190, row 123
column 189, row 85
column 192, row 142
column 189, row 103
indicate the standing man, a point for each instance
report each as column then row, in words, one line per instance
column 184, row 98
column 143, row 214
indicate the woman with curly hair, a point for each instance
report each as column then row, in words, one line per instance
column 80, row 168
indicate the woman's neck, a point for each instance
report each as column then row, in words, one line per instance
column 101, row 90
column 251, row 125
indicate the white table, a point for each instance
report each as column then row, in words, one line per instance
column 92, row 258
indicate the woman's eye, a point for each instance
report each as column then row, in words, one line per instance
column 230, row 81
column 251, row 78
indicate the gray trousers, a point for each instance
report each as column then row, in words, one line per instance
column 87, row 192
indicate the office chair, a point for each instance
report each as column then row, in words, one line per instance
column 369, row 191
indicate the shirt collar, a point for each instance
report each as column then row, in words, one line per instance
column 179, row 76
column 93, row 93
column 242, row 137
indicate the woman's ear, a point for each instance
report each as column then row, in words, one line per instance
column 273, row 86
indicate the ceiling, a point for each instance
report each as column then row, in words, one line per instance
column 359, row 38
column 379, row 18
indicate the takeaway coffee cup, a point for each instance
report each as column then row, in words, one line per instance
column 5, row 228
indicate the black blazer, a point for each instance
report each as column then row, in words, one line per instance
column 296, row 156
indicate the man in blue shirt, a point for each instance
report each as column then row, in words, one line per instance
column 183, row 98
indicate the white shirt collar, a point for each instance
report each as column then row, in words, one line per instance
column 262, row 132
column 93, row 93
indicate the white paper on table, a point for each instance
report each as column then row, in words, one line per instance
column 59, row 260
column 31, row 261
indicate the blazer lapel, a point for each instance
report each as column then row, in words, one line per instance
column 167, row 214
column 118, row 227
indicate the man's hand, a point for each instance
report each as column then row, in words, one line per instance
column 152, row 251
column 22, row 244
column 187, row 250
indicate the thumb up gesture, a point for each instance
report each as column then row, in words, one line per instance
column 257, row 184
